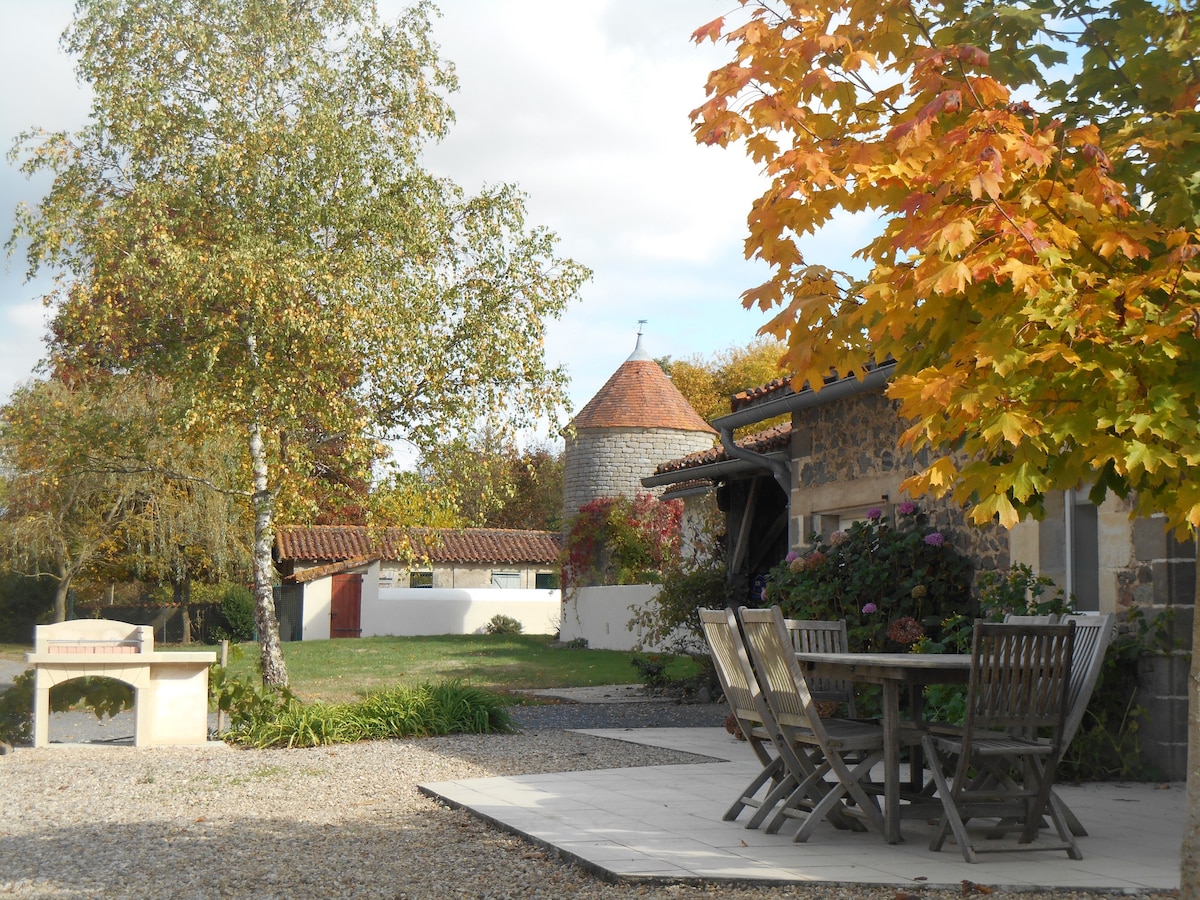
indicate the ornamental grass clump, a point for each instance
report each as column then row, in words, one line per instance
column 893, row 583
column 267, row 717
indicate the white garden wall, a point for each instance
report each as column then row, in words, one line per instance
column 600, row 615
column 409, row 611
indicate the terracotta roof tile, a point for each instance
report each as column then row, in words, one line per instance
column 640, row 395
column 340, row 543
column 774, row 438
column 686, row 487
column 755, row 394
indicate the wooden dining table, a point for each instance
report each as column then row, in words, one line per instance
column 892, row 671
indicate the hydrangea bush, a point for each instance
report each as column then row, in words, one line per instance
column 894, row 583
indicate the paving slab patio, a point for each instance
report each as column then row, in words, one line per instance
column 663, row 824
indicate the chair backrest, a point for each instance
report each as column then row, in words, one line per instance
column 1019, row 677
column 822, row 636
column 779, row 675
column 1048, row 619
column 732, row 664
column 817, row 635
column 1092, row 637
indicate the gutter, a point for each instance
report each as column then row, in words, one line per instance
column 711, row 471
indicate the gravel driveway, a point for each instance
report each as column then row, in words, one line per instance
column 331, row 822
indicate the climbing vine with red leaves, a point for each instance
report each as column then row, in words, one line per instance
column 615, row 540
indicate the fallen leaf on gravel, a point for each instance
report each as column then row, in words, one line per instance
column 970, row 887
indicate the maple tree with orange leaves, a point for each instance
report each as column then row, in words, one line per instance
column 1034, row 169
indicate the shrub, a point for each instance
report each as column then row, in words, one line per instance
column 502, row 624
column 697, row 581
column 237, row 615
column 894, row 584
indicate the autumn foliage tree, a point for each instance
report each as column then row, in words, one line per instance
column 709, row 382
column 1032, row 169
column 246, row 217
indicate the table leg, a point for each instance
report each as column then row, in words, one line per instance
column 891, row 761
column 916, row 756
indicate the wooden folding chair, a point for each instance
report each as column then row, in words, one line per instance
column 1018, row 692
column 811, row 747
column 745, row 700
column 822, row 636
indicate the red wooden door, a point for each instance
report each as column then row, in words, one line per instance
column 345, row 608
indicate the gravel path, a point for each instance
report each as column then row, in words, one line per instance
column 343, row 821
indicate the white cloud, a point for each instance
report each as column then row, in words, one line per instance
column 584, row 104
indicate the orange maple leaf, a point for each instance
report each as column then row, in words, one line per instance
column 712, row 30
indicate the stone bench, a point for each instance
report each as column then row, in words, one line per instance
column 170, row 690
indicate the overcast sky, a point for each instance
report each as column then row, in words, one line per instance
column 582, row 103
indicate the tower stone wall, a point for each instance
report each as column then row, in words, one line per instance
column 611, row 462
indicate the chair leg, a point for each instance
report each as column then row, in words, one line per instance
column 951, row 821
column 780, row 792
column 772, row 772
column 1069, row 817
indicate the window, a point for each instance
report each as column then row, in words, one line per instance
column 506, row 579
column 546, row 581
column 420, row 579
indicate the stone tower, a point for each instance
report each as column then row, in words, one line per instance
column 636, row 421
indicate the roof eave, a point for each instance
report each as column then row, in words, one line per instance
column 715, row 471
column 807, row 398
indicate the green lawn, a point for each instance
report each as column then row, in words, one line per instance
column 337, row 671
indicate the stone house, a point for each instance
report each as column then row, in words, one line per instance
column 840, row 456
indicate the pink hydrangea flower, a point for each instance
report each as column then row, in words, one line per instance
column 792, row 555
column 874, row 514
column 907, row 508
column 936, row 539
column 869, row 608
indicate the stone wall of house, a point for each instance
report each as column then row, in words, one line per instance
column 611, row 462
column 846, row 458
column 1161, row 581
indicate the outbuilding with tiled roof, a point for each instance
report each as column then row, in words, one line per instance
column 351, row 580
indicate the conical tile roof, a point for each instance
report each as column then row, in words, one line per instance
column 640, row 395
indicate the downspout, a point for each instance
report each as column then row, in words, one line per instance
column 781, row 469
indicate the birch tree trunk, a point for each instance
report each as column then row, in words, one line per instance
column 274, row 669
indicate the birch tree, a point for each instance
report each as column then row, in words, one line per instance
column 246, row 215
